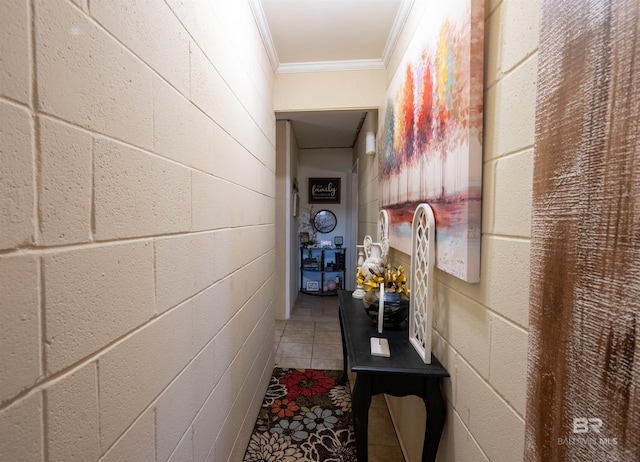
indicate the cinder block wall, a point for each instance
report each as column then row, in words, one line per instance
column 137, row 171
column 481, row 329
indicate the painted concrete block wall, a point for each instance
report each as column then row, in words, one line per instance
column 367, row 188
column 481, row 329
column 137, row 211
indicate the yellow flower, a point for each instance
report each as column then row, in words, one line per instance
column 373, row 282
column 394, row 281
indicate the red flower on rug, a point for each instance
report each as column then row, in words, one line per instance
column 308, row 382
column 284, row 407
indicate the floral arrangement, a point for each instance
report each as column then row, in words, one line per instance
column 394, row 281
column 305, row 224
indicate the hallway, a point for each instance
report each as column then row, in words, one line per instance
column 311, row 339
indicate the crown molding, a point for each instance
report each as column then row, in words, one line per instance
column 331, row 66
column 263, row 27
column 396, row 29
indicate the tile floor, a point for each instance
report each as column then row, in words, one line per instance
column 311, row 339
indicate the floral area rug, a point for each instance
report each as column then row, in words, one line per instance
column 305, row 416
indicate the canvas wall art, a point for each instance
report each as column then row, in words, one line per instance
column 430, row 135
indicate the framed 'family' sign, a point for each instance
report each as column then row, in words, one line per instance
column 324, row 190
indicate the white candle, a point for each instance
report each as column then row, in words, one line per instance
column 381, row 309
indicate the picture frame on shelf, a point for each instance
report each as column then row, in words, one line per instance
column 338, row 241
column 313, row 286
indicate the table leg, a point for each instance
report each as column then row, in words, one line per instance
column 343, row 380
column 361, row 400
column 436, row 414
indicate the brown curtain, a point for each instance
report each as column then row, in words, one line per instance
column 583, row 399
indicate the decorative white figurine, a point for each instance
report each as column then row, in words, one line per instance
column 359, row 292
column 376, row 253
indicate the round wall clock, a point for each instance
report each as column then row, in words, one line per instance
column 324, row 221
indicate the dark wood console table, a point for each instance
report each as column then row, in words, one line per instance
column 404, row 373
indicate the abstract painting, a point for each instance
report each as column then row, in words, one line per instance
column 430, row 135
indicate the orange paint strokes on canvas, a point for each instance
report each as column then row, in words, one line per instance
column 424, row 118
column 408, row 115
column 431, row 109
column 430, row 135
column 444, row 80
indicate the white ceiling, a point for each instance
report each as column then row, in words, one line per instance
column 328, row 35
column 325, row 129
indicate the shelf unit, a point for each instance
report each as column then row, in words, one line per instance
column 320, row 269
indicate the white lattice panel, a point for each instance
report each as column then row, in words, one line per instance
column 421, row 279
column 383, row 225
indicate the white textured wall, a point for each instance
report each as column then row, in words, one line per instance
column 286, row 226
column 481, row 329
column 137, row 185
column 294, row 237
column 368, row 208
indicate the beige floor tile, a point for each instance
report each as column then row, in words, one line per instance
column 327, row 351
column 380, row 427
column 300, row 336
column 317, row 312
column 299, row 325
column 302, row 310
column 331, row 325
column 326, row 364
column 301, row 314
column 330, row 311
column 378, row 401
column 295, row 350
column 327, row 338
column 315, row 319
column 294, row 363
column 378, row 453
column 308, row 301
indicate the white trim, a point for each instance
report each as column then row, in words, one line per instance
column 331, row 66
column 289, row 222
column 396, row 29
column 352, row 229
column 265, row 33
